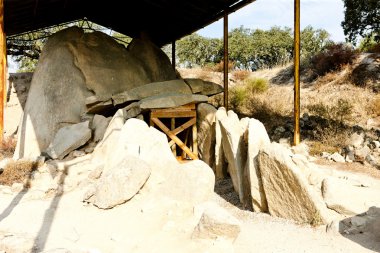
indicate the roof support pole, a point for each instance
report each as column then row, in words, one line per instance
column 173, row 54
column 297, row 90
column 3, row 60
column 225, row 58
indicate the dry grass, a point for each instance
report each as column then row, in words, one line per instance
column 7, row 147
column 240, row 75
column 17, row 172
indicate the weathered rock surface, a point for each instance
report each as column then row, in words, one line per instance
column 206, row 133
column 220, row 160
column 99, row 126
column 257, row 139
column 56, row 96
column 74, row 66
column 119, row 184
column 106, row 146
column 235, row 144
column 68, row 139
column 286, row 189
column 216, row 222
column 136, row 138
column 199, row 86
column 349, row 198
column 177, row 86
column 171, row 100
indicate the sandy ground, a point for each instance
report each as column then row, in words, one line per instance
column 152, row 223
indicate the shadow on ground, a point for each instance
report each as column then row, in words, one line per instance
column 363, row 229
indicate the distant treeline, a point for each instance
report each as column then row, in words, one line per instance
column 250, row 49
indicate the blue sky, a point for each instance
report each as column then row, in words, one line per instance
column 263, row 14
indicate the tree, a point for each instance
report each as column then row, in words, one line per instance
column 361, row 19
column 26, row 48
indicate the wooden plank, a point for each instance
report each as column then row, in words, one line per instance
column 183, row 127
column 173, row 114
column 182, row 107
column 173, row 146
column 174, row 138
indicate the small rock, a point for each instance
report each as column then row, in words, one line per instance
column 357, row 140
column 361, row 154
column 89, row 150
column 333, row 227
column 358, row 221
column 79, row 153
column 216, row 222
column 17, row 187
column 336, row 157
column 325, row 155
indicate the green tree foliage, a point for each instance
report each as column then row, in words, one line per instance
column 250, row 49
column 361, row 19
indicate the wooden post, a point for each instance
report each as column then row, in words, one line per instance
column 225, row 58
column 297, row 91
column 173, row 54
column 173, row 147
column 3, row 61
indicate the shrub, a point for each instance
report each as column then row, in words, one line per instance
column 240, row 75
column 340, row 113
column 256, row 85
column 237, row 97
column 220, row 66
column 333, row 58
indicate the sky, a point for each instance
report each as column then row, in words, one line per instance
column 264, row 14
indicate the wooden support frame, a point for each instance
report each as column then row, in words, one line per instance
column 187, row 111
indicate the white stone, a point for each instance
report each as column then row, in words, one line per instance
column 216, row 222
column 119, row 184
column 257, row 138
column 234, row 139
column 220, row 160
column 286, row 188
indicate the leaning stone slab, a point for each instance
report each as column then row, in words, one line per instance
column 99, row 126
column 171, row 100
column 286, row 188
column 206, row 133
column 152, row 89
column 68, row 139
column 119, row 184
column 220, row 160
column 235, row 150
column 257, row 139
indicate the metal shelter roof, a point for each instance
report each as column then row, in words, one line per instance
column 162, row 20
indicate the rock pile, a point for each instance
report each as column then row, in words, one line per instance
column 84, row 76
column 269, row 177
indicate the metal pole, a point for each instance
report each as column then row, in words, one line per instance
column 173, row 54
column 3, row 59
column 297, row 39
column 225, row 59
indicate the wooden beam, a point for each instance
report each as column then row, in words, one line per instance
column 174, row 138
column 297, row 90
column 182, row 128
column 3, row 63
